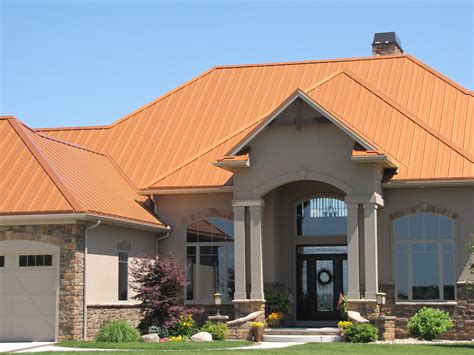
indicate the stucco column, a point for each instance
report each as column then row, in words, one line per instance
column 256, row 263
column 239, row 253
column 353, row 250
column 370, row 251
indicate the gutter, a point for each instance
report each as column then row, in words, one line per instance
column 427, row 183
column 158, row 239
column 84, row 283
column 72, row 218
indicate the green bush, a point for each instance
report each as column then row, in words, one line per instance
column 117, row 331
column 218, row 331
column 429, row 323
column 360, row 333
column 276, row 302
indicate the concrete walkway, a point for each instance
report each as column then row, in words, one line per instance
column 40, row 347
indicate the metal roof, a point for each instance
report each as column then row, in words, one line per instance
column 173, row 141
column 45, row 175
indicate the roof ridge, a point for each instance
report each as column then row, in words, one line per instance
column 440, row 75
column 60, row 141
column 314, row 61
column 45, row 164
column 407, row 114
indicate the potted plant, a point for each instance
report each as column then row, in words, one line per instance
column 274, row 319
column 277, row 305
column 257, row 331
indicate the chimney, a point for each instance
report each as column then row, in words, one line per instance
column 386, row 43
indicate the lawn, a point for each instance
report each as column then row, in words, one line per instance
column 334, row 348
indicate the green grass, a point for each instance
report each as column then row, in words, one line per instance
column 155, row 346
column 320, row 349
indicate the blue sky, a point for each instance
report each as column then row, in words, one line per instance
column 66, row 63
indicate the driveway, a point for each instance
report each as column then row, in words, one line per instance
column 19, row 346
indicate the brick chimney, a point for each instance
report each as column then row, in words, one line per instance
column 386, row 43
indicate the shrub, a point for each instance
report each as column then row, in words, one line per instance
column 360, row 333
column 276, row 302
column 157, row 282
column 117, row 331
column 429, row 323
column 217, row 330
column 185, row 326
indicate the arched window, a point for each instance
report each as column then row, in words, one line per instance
column 424, row 257
column 210, row 259
column 321, row 216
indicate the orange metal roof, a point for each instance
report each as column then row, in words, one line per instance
column 45, row 175
column 177, row 133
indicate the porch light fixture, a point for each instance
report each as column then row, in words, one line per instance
column 381, row 298
column 218, row 302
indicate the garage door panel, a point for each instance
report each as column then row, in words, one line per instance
column 35, row 281
column 27, row 300
column 31, row 304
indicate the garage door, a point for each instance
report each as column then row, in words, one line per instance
column 27, row 295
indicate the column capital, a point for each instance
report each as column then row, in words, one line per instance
column 248, row 202
column 374, row 198
column 238, row 209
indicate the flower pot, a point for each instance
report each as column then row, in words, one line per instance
column 257, row 334
column 274, row 323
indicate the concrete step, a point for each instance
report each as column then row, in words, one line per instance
column 302, row 335
column 303, row 338
column 303, row 331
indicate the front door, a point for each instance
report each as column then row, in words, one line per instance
column 322, row 278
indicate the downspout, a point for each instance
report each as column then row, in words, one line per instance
column 168, row 232
column 84, row 311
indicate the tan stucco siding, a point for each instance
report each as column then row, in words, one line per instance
column 459, row 200
column 317, row 150
column 102, row 260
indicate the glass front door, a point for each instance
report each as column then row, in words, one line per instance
column 322, row 278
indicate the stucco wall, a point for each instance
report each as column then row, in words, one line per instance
column 102, row 260
column 320, row 149
column 459, row 200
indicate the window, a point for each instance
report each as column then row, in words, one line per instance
column 424, row 257
column 2, row 261
column 210, row 259
column 35, row 260
column 321, row 216
column 123, row 277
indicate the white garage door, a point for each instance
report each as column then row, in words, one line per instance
column 28, row 282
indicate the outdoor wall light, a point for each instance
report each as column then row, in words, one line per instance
column 218, row 302
column 381, row 299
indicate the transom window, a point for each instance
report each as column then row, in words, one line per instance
column 424, row 256
column 321, row 216
column 210, row 259
column 35, row 260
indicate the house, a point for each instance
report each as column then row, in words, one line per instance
column 316, row 178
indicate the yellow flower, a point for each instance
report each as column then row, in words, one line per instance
column 344, row 324
column 176, row 338
column 275, row 316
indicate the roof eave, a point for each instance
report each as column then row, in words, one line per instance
column 403, row 184
column 232, row 165
column 72, row 218
column 382, row 160
column 186, row 190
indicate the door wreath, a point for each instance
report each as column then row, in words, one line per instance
column 324, row 277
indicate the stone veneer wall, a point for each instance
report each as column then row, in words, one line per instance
column 70, row 239
column 461, row 312
column 98, row 315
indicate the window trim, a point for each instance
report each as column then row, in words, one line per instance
column 454, row 241
column 120, row 263
column 197, row 245
column 303, row 237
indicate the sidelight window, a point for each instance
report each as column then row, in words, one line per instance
column 424, row 257
column 210, row 259
column 321, row 216
column 123, row 276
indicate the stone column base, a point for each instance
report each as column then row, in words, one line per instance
column 218, row 319
column 385, row 325
column 367, row 308
column 245, row 307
